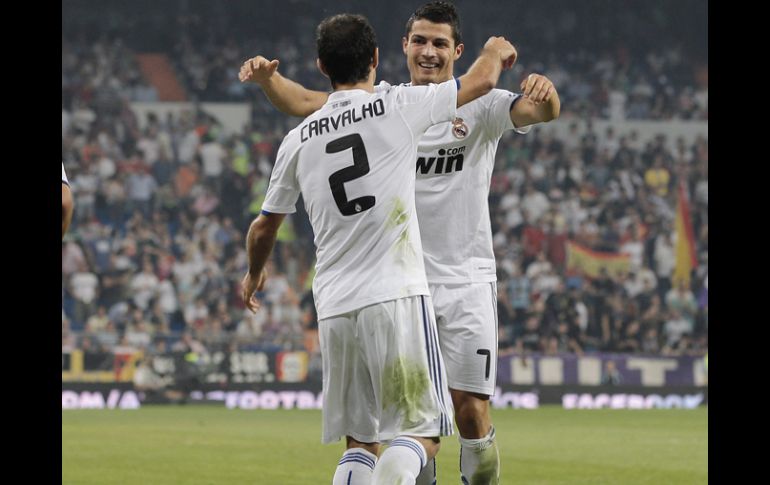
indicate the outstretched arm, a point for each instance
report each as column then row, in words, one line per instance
column 259, row 244
column 286, row 95
column 497, row 55
column 67, row 207
column 539, row 103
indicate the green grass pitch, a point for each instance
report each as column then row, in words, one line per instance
column 214, row 445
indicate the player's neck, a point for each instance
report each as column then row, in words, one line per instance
column 367, row 86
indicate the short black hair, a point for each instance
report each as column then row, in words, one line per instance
column 346, row 45
column 438, row 12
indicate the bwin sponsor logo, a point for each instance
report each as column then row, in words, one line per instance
column 448, row 161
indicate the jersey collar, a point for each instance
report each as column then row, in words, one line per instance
column 347, row 93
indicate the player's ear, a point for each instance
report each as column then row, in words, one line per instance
column 321, row 67
column 459, row 49
column 376, row 58
column 404, row 43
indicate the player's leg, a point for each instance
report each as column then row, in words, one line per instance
column 357, row 463
column 427, row 475
column 401, row 343
column 347, row 391
column 479, row 457
column 403, row 459
column 467, row 323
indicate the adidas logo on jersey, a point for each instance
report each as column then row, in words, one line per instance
column 448, row 161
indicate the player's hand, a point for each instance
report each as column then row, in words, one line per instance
column 257, row 70
column 504, row 49
column 537, row 88
column 251, row 285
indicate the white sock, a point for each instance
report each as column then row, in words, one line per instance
column 355, row 468
column 400, row 463
column 479, row 460
column 427, row 475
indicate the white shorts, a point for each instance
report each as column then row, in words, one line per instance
column 383, row 375
column 466, row 316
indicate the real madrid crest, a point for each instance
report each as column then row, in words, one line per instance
column 459, row 128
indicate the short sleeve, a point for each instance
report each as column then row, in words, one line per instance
column 283, row 190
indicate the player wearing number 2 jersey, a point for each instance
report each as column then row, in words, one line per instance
column 352, row 161
column 454, row 166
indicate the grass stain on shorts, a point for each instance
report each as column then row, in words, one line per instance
column 405, row 384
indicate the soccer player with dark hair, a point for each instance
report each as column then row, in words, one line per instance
column 352, row 161
column 454, row 167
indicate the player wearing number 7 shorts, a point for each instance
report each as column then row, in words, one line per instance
column 454, row 165
column 353, row 163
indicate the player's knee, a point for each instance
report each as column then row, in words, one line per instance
column 431, row 445
column 373, row 448
column 471, row 414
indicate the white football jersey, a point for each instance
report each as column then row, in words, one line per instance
column 353, row 162
column 64, row 175
column 454, row 169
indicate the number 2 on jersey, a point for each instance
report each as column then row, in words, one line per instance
column 359, row 168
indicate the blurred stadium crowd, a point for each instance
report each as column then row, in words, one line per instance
column 156, row 251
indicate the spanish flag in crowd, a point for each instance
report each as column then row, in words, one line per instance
column 685, row 240
column 583, row 260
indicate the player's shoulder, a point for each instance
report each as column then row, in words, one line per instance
column 293, row 139
column 499, row 93
column 383, row 87
column 482, row 106
column 409, row 94
column 294, row 133
column 399, row 90
column 487, row 100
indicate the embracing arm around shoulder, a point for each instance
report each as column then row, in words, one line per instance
column 539, row 102
column 287, row 96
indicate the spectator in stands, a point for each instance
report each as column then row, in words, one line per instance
column 84, row 287
column 658, row 177
column 682, row 300
column 98, row 321
column 664, row 262
column 144, row 286
column 611, row 376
